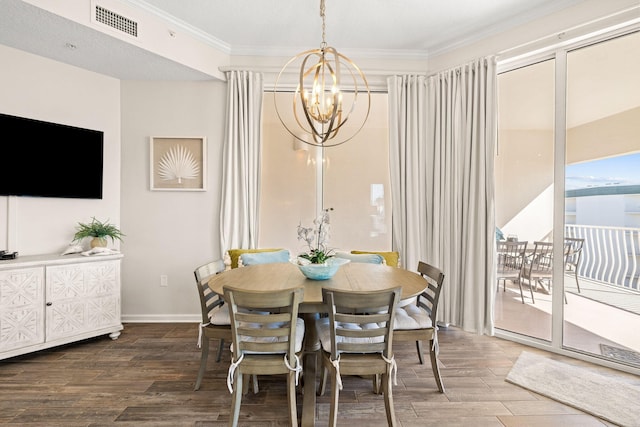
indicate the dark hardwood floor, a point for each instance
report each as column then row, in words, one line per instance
column 146, row 378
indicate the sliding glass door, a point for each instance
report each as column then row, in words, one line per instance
column 602, row 204
column 524, row 191
column 568, row 173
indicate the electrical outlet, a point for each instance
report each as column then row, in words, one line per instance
column 164, row 280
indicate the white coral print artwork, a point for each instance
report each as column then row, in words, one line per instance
column 178, row 163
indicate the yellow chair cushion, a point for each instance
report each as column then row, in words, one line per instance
column 391, row 258
column 234, row 254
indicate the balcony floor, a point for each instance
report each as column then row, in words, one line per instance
column 599, row 315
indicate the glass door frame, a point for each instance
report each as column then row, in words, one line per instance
column 558, row 53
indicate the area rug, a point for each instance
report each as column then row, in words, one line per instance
column 621, row 354
column 607, row 396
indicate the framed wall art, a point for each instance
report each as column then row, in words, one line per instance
column 178, row 163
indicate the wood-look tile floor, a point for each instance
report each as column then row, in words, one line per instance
column 146, row 378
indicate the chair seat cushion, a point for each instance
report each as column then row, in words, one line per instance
column 247, row 259
column 219, row 315
column 324, row 333
column 299, row 337
column 411, row 317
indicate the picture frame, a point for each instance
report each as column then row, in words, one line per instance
column 177, row 163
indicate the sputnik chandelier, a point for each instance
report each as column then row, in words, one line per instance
column 319, row 110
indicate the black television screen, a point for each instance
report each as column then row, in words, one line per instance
column 43, row 159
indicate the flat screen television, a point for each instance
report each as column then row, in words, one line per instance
column 43, row 159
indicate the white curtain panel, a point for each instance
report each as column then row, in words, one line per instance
column 241, row 161
column 409, row 176
column 442, row 137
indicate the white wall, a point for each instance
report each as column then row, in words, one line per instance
column 38, row 88
column 168, row 232
column 605, row 211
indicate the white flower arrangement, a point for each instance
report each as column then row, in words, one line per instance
column 317, row 239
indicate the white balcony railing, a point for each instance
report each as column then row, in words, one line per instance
column 610, row 254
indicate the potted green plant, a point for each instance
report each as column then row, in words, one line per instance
column 99, row 230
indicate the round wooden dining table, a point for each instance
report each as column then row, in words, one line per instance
column 356, row 277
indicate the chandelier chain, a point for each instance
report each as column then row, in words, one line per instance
column 322, row 15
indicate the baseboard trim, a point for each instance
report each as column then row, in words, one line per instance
column 161, row 318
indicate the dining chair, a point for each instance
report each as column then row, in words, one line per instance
column 572, row 256
column 510, row 259
column 267, row 337
column 417, row 322
column 216, row 324
column 538, row 266
column 356, row 339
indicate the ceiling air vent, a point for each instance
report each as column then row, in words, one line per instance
column 119, row 22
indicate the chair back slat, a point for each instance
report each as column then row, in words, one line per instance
column 362, row 318
column 280, row 330
column 264, row 347
column 264, row 317
column 361, row 333
column 371, row 347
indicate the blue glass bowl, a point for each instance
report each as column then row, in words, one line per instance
column 320, row 271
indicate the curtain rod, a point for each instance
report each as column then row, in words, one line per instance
column 276, row 70
column 574, row 34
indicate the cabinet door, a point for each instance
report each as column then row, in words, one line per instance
column 82, row 297
column 21, row 308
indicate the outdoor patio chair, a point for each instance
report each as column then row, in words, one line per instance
column 572, row 256
column 510, row 258
column 538, row 266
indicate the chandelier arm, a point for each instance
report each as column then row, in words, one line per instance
column 282, row 121
column 306, row 102
column 342, row 122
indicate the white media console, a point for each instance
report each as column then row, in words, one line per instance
column 49, row 300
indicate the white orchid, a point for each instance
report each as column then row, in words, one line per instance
column 317, row 239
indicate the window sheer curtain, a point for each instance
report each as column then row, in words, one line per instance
column 442, row 135
column 241, row 161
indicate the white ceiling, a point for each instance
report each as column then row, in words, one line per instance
column 369, row 28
